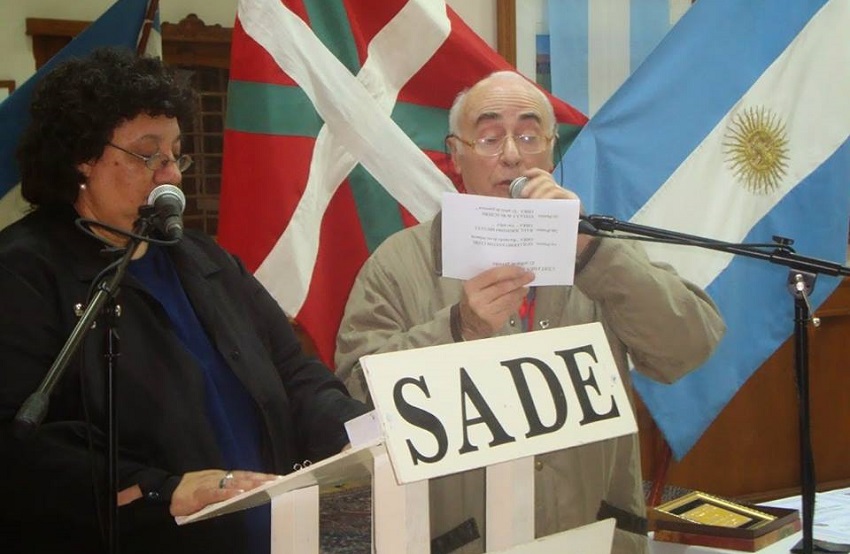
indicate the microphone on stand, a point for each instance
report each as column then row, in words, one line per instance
column 585, row 227
column 168, row 202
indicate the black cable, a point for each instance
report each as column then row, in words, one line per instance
column 83, row 224
column 559, row 157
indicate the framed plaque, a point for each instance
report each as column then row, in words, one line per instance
column 704, row 509
column 702, row 519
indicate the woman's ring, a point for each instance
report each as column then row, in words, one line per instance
column 222, row 484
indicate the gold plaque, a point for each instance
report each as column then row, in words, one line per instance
column 704, row 509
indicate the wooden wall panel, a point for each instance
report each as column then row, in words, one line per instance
column 189, row 42
column 752, row 449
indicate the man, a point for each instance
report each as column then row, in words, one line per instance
column 503, row 128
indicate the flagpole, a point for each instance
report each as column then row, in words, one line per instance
column 153, row 5
column 803, row 272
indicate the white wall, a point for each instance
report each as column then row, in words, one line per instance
column 17, row 60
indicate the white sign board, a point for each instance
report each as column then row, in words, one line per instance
column 455, row 407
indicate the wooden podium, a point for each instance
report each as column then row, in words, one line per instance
column 398, row 454
column 400, row 512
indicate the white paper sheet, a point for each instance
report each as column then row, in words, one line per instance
column 481, row 232
column 832, row 514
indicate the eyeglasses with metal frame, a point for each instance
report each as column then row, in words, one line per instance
column 495, row 145
column 158, row 160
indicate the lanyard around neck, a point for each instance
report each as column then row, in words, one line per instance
column 526, row 310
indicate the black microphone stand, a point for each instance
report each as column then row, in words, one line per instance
column 34, row 409
column 803, row 272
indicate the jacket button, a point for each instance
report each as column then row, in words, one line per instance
column 235, row 354
column 153, row 496
column 538, row 465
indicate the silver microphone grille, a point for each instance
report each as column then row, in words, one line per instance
column 516, row 187
column 167, row 190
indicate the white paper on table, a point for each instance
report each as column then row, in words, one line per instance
column 481, row 232
column 832, row 514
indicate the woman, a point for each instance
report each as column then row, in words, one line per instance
column 211, row 377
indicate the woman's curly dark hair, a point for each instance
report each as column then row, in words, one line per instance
column 76, row 108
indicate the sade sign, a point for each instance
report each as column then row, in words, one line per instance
column 450, row 408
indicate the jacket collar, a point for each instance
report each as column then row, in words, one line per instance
column 437, row 243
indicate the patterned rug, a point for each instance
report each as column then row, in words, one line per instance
column 345, row 520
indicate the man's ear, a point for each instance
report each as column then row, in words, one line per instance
column 454, row 151
column 554, row 150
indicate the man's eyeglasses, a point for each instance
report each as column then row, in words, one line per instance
column 159, row 160
column 493, row 146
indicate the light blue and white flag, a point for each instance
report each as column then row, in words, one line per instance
column 736, row 128
column 118, row 26
column 596, row 44
column 153, row 44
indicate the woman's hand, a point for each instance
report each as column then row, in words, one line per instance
column 201, row 488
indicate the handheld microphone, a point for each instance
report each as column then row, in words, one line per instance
column 168, row 202
column 585, row 227
column 516, row 186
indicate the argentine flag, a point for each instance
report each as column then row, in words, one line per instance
column 596, row 44
column 119, row 26
column 736, row 128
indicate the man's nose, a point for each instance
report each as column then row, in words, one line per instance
column 510, row 152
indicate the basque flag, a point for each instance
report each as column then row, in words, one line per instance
column 336, row 121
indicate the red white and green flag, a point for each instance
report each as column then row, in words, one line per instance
column 336, row 124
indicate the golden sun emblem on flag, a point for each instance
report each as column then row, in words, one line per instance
column 756, row 148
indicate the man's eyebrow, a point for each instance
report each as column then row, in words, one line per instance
column 530, row 115
column 488, row 116
column 496, row 116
